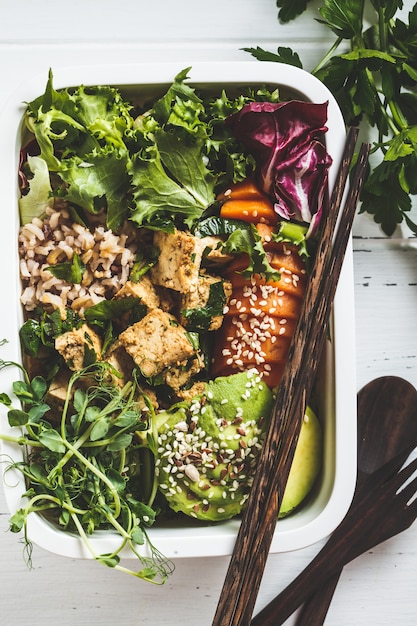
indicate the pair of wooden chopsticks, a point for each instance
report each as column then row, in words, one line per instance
column 244, row 574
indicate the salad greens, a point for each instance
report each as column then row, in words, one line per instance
column 372, row 72
column 161, row 165
column 152, row 164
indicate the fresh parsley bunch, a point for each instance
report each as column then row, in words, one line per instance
column 372, row 72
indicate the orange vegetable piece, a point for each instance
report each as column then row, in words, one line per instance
column 252, row 211
column 261, row 318
column 244, row 190
column 244, row 201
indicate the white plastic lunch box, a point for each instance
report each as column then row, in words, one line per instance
column 332, row 495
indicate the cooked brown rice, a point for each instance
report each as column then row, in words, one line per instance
column 108, row 259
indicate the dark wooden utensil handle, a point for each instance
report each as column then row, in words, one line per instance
column 314, row 610
column 240, row 589
column 363, row 527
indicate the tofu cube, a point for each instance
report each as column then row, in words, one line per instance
column 79, row 347
column 179, row 375
column 202, row 308
column 157, row 341
column 143, row 291
column 179, row 261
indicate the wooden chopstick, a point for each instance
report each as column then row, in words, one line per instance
column 243, row 578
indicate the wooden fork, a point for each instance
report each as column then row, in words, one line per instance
column 384, row 507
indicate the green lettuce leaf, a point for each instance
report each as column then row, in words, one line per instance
column 100, row 181
column 249, row 241
column 39, row 197
column 175, row 181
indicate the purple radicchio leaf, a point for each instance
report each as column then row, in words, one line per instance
column 292, row 162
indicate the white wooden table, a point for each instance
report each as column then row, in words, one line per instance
column 380, row 587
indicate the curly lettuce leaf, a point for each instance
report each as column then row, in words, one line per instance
column 39, row 197
column 67, row 123
column 175, row 181
column 99, row 182
column 83, row 135
column 248, row 240
column 160, row 169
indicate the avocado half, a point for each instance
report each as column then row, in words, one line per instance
column 306, row 464
column 207, row 449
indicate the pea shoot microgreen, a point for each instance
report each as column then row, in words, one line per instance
column 77, row 471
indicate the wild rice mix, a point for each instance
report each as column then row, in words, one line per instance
column 107, row 257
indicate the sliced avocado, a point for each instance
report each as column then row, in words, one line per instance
column 208, row 450
column 306, row 464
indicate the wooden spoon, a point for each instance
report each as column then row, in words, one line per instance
column 387, row 428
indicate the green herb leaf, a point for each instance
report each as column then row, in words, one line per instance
column 120, row 442
column 17, row 521
column 344, row 19
column 17, row 417
column 138, row 536
column 283, row 55
column 100, row 428
column 71, row 272
column 110, row 310
column 111, row 560
column 5, row 399
column 117, row 480
column 290, row 9
column 52, row 440
column 199, row 319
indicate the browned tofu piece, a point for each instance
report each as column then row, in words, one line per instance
column 75, row 345
column 143, row 290
column 168, row 298
column 179, row 375
column 157, row 341
column 188, row 394
column 213, row 251
column 122, row 363
column 179, row 261
column 58, row 391
column 199, row 298
column 124, row 366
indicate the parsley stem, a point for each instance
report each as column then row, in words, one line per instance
column 327, row 56
column 382, row 27
column 397, row 115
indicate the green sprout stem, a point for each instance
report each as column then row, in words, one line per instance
column 329, row 54
column 98, row 473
